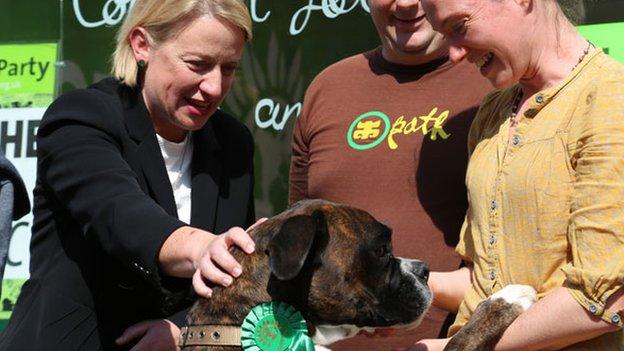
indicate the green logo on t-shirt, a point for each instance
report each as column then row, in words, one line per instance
column 371, row 128
column 368, row 130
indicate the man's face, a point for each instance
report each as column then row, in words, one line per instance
column 403, row 29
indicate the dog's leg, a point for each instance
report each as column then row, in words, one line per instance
column 491, row 319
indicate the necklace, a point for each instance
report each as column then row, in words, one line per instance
column 513, row 115
column 584, row 54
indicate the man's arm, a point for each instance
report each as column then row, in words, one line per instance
column 298, row 177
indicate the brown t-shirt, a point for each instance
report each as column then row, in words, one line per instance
column 392, row 140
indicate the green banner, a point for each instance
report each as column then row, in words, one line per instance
column 607, row 36
column 27, row 74
column 10, row 291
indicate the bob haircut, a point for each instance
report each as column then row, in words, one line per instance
column 163, row 19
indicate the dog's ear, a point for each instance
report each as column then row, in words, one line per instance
column 291, row 246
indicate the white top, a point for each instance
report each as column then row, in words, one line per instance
column 178, row 157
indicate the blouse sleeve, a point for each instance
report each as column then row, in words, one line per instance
column 596, row 230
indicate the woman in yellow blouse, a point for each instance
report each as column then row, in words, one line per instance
column 545, row 179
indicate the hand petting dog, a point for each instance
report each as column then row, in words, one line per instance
column 162, row 334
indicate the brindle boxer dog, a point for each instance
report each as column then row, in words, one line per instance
column 333, row 263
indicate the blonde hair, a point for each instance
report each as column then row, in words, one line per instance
column 163, row 19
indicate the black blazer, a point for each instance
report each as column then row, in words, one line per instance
column 103, row 207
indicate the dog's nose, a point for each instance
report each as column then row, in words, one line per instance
column 422, row 271
column 417, row 269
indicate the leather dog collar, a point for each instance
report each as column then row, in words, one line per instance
column 210, row 335
column 267, row 326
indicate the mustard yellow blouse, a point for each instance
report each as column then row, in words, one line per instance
column 549, row 210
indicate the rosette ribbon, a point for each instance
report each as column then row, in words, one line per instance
column 275, row 326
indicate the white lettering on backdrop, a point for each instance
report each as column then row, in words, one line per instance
column 114, row 11
column 330, row 8
column 254, row 13
column 273, row 114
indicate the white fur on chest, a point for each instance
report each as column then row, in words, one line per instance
column 329, row 334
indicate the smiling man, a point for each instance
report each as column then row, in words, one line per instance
column 386, row 131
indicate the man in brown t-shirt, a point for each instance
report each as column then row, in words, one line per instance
column 386, row 131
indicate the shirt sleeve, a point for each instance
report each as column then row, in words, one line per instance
column 596, row 230
column 298, row 177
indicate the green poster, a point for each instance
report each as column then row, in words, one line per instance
column 27, row 74
column 10, row 291
column 607, row 36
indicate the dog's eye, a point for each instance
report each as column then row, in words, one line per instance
column 383, row 251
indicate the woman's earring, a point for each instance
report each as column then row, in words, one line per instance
column 141, row 64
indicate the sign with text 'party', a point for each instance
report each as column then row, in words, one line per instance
column 27, row 74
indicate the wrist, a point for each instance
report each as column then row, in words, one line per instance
column 198, row 242
column 432, row 283
column 437, row 290
column 182, row 250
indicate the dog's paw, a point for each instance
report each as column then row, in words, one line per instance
column 520, row 295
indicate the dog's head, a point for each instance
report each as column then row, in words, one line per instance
column 335, row 264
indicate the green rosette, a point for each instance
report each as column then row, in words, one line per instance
column 275, row 326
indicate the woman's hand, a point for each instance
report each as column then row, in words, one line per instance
column 427, row 345
column 213, row 261
column 378, row 333
column 192, row 252
column 155, row 335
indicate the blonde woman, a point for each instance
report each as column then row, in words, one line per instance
column 136, row 176
column 545, row 177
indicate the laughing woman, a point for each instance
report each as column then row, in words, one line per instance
column 545, row 178
column 136, row 175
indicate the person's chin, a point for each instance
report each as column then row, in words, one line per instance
column 195, row 124
column 413, row 44
column 191, row 122
column 500, row 78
